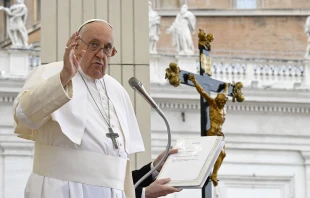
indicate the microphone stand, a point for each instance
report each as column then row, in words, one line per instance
column 144, row 94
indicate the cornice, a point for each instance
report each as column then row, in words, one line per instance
column 11, row 85
column 306, row 156
column 9, row 88
column 166, row 92
column 11, row 145
column 291, row 108
column 272, row 108
column 7, row 99
column 16, row 149
column 236, row 12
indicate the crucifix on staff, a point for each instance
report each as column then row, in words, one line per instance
column 214, row 107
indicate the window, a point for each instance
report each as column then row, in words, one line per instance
column 245, row 4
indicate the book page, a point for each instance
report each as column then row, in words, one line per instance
column 189, row 161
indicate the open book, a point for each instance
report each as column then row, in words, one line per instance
column 191, row 166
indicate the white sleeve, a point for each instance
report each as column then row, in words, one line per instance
column 155, row 173
column 143, row 193
column 35, row 104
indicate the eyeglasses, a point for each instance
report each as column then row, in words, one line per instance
column 94, row 46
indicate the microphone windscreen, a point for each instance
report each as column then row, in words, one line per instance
column 133, row 82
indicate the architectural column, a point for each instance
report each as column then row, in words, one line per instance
column 306, row 155
column 16, row 164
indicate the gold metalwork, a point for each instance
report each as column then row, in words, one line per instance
column 217, row 118
column 205, row 40
column 237, row 93
column 205, row 63
column 173, row 74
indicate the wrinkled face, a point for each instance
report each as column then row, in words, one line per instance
column 95, row 63
column 220, row 100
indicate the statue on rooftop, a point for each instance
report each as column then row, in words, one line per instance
column 182, row 30
column 154, row 24
column 16, row 29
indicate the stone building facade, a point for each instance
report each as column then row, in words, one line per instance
column 258, row 42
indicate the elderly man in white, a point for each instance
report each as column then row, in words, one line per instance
column 83, row 124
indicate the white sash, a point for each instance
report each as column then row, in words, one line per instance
column 83, row 167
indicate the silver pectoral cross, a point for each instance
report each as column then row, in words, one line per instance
column 113, row 137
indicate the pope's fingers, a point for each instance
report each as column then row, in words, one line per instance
column 172, row 151
column 172, row 189
column 77, row 38
column 81, row 55
column 69, row 48
column 163, row 181
column 70, row 39
column 68, row 54
column 75, row 61
column 73, row 37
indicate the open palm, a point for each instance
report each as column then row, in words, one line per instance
column 72, row 59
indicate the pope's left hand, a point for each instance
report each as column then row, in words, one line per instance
column 159, row 189
column 156, row 161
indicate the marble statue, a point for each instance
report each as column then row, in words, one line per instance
column 307, row 31
column 16, row 29
column 181, row 30
column 154, row 24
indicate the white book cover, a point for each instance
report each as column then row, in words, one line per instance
column 191, row 166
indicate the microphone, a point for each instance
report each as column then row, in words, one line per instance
column 137, row 86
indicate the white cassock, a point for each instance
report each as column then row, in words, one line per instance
column 46, row 114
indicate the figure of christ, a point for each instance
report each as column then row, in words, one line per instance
column 217, row 118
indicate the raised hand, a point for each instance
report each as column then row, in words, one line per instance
column 158, row 189
column 71, row 60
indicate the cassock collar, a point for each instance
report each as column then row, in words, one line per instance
column 85, row 76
